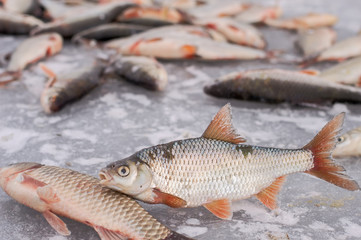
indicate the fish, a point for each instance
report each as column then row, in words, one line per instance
column 181, row 4
column 258, row 14
column 69, row 85
column 348, row 72
column 90, row 17
column 342, row 50
column 217, row 9
column 278, row 85
column 21, row 6
column 143, row 71
column 56, row 191
column 17, row 23
column 311, row 20
column 109, row 31
column 30, row 51
column 218, row 167
column 348, row 144
column 313, row 41
column 235, row 32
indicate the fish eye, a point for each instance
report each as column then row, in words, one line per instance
column 340, row 139
column 123, row 171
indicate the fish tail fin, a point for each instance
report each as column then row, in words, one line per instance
column 324, row 166
column 9, row 77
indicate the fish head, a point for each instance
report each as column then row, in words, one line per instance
column 131, row 176
column 348, row 145
column 52, row 100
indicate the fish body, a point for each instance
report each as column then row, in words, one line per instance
column 314, row 41
column 348, row 72
column 70, row 85
column 217, row 9
column 217, row 168
column 109, row 31
column 311, row 20
column 348, row 144
column 258, row 13
column 276, row 85
column 143, row 71
column 16, row 23
column 21, row 6
column 57, row 191
column 236, row 32
column 180, row 4
column 342, row 50
column 33, row 49
column 91, row 17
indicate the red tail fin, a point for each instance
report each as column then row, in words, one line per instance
column 324, row 166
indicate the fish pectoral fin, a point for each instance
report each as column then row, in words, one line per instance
column 56, row 223
column 189, row 51
column 221, row 208
column 47, row 194
column 168, row 199
column 310, row 72
column 49, row 73
column 106, row 234
column 268, row 196
column 221, row 127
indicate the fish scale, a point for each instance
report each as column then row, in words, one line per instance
column 198, row 167
column 82, row 196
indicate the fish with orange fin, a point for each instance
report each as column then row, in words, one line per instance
column 30, row 51
column 58, row 191
column 218, row 167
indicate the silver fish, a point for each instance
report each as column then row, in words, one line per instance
column 276, row 85
column 258, row 13
column 58, row 191
column 16, row 23
column 217, row 168
column 217, row 9
column 348, row 144
column 21, row 6
column 314, row 41
column 70, row 85
column 348, row 72
column 144, row 71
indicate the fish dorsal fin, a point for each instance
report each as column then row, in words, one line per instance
column 168, row 199
column 268, row 196
column 106, row 234
column 221, row 208
column 47, row 194
column 221, row 127
column 56, row 223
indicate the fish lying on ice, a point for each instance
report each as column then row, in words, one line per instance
column 21, row 6
column 236, row 32
column 311, row 20
column 217, row 9
column 144, row 71
column 217, row 167
column 30, row 51
column 313, row 41
column 16, row 23
column 69, row 85
column 258, row 13
column 56, row 191
column 277, row 85
column 348, row 144
column 348, row 72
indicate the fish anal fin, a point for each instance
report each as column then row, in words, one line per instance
column 189, row 51
column 221, row 208
column 221, row 127
column 268, row 196
column 56, row 223
column 168, row 199
column 310, row 72
column 106, row 234
column 47, row 194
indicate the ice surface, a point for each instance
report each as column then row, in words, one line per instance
column 117, row 118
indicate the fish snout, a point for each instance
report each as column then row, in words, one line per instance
column 104, row 176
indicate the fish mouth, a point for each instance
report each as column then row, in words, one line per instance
column 104, row 177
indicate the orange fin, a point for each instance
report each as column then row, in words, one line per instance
column 221, row 208
column 268, row 196
column 358, row 84
column 106, row 234
column 189, row 51
column 47, row 194
column 221, row 127
column 310, row 72
column 324, row 166
column 56, row 223
column 47, row 70
column 168, row 199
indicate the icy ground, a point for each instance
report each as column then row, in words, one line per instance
column 117, row 119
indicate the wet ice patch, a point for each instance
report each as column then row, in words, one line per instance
column 110, row 99
column 79, row 135
column 192, row 231
column 13, row 140
column 193, row 221
column 59, row 152
column 90, row 161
